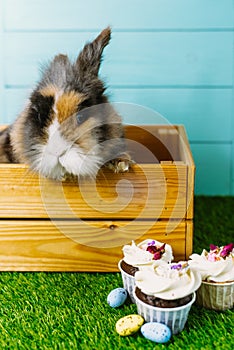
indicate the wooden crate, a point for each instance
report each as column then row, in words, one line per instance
column 82, row 225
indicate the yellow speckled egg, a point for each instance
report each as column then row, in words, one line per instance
column 128, row 325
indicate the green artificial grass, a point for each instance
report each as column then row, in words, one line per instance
column 69, row 310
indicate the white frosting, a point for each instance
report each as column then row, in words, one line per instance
column 221, row 270
column 137, row 255
column 162, row 281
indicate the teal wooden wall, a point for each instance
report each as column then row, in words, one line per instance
column 172, row 56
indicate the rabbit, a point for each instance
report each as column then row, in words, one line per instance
column 68, row 127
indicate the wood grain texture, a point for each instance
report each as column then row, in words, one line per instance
column 186, row 155
column 156, row 187
column 189, row 239
column 38, row 245
column 146, row 191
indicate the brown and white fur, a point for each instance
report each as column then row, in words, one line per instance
column 68, row 126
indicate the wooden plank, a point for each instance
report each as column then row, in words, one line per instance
column 153, row 143
column 146, row 191
column 72, row 15
column 140, row 106
column 149, row 190
column 38, row 245
column 133, row 59
column 213, row 168
column 189, row 239
column 186, row 155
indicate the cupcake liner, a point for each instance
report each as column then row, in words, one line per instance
column 175, row 318
column 216, row 296
column 128, row 282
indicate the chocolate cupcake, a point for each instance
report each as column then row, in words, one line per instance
column 166, row 292
column 158, row 302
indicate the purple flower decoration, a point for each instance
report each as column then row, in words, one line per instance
column 151, row 243
column 227, row 249
column 176, row 267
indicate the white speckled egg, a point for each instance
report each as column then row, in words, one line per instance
column 117, row 297
column 156, row 332
column 129, row 325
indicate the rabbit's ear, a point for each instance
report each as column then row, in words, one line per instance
column 58, row 73
column 89, row 60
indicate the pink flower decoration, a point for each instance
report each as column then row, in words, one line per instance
column 212, row 257
column 156, row 251
column 227, row 249
column 213, row 247
column 157, row 256
column 217, row 253
column 152, row 249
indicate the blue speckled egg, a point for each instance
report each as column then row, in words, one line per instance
column 156, row 332
column 117, row 297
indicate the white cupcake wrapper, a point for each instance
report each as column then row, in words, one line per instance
column 216, row 296
column 128, row 282
column 175, row 318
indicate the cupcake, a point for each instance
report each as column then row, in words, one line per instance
column 139, row 257
column 165, row 293
column 217, row 272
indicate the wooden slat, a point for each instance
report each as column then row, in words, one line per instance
column 38, row 245
column 147, row 191
column 153, row 188
column 189, row 238
column 186, row 155
column 83, row 15
column 132, row 59
column 153, row 143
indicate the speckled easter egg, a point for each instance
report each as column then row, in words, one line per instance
column 156, row 332
column 117, row 297
column 128, row 325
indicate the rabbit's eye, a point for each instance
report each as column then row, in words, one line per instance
column 83, row 111
column 82, row 116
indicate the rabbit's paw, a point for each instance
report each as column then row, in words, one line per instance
column 120, row 165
